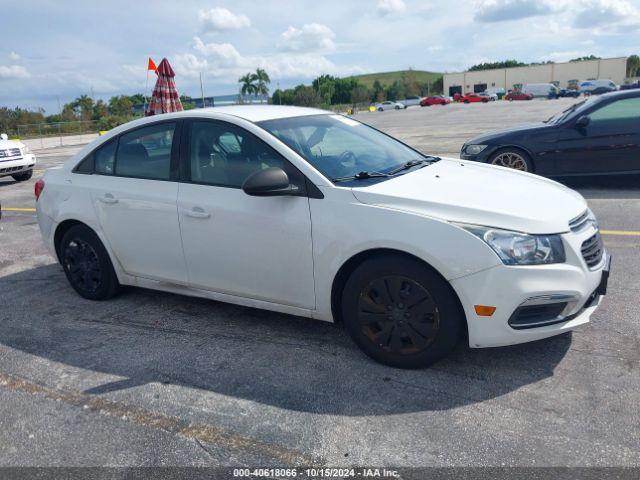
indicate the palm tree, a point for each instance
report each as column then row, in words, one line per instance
column 247, row 87
column 262, row 79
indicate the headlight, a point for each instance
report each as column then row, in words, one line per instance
column 516, row 248
column 25, row 150
column 474, row 149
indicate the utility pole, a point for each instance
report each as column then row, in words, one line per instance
column 202, row 91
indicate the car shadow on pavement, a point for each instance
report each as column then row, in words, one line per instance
column 605, row 186
column 288, row 362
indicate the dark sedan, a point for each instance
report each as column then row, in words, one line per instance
column 600, row 135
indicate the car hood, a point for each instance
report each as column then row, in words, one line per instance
column 4, row 144
column 486, row 137
column 469, row 192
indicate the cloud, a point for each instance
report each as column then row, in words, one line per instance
column 312, row 37
column 13, row 71
column 223, row 54
column 490, row 11
column 220, row 19
column 388, row 7
column 14, row 56
column 601, row 13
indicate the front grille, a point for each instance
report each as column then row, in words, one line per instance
column 10, row 152
column 592, row 250
column 577, row 223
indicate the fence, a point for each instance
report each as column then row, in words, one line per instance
column 59, row 129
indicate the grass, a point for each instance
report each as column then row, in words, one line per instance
column 387, row 78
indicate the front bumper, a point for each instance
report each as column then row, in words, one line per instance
column 483, row 156
column 508, row 288
column 17, row 165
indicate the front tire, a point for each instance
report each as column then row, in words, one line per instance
column 23, row 176
column 400, row 312
column 513, row 158
column 87, row 265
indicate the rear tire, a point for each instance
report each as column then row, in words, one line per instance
column 400, row 312
column 87, row 265
column 23, row 176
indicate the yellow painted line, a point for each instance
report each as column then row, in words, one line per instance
column 625, row 233
column 18, row 209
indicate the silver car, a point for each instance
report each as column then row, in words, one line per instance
column 411, row 101
column 389, row 105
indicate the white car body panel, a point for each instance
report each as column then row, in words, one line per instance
column 283, row 253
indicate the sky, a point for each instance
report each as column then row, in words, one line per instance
column 53, row 51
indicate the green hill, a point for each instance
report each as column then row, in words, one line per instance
column 387, row 78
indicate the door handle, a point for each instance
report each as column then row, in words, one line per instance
column 108, row 198
column 196, row 212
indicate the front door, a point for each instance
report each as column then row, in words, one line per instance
column 613, row 133
column 136, row 202
column 253, row 247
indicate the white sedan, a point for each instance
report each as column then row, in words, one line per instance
column 309, row 213
column 16, row 160
column 389, row 105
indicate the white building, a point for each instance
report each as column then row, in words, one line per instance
column 508, row 78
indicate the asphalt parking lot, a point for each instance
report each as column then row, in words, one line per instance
column 158, row 379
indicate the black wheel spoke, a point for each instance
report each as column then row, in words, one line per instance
column 398, row 314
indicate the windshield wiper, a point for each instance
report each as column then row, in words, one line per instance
column 411, row 164
column 360, row 176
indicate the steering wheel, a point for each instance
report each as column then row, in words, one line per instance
column 347, row 159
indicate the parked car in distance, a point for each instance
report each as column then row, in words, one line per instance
column 546, row 90
column 16, row 160
column 499, row 92
column 474, row 98
column 491, row 96
column 630, row 86
column 411, row 101
column 599, row 135
column 389, row 105
column 569, row 92
column 435, row 100
column 518, row 95
column 305, row 212
column 601, row 85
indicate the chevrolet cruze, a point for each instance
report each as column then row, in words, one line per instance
column 309, row 213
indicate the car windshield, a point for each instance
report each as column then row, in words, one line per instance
column 575, row 108
column 345, row 150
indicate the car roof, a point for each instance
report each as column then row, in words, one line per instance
column 622, row 94
column 252, row 113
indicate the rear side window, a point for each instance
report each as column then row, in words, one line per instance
column 104, row 158
column 146, row 152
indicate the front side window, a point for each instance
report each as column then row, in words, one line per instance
column 225, row 155
column 625, row 109
column 341, row 147
column 146, row 152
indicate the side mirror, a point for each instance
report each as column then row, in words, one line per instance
column 271, row 182
column 4, row 136
column 583, row 121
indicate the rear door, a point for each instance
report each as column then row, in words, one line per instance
column 236, row 244
column 135, row 196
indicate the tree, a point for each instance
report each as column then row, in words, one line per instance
column 633, row 66
column 262, row 81
column 120, row 105
column 410, row 83
column 378, row 92
column 100, row 110
column 583, row 59
column 247, row 87
column 360, row 95
column 494, row 65
column 305, row 96
column 83, row 105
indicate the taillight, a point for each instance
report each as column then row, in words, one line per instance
column 38, row 188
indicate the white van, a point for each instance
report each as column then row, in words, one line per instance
column 590, row 85
column 541, row 90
